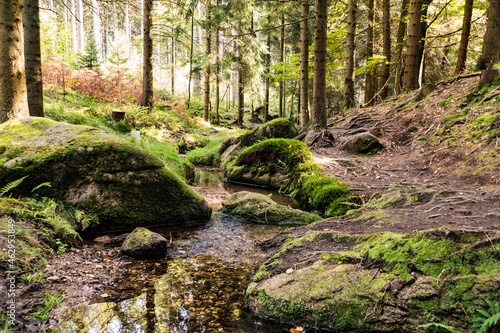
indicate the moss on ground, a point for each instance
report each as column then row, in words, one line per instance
column 435, row 275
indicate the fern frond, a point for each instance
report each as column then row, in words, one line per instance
column 41, row 185
column 12, row 185
column 443, row 326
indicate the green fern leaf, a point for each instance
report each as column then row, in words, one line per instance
column 41, row 185
column 12, row 185
column 443, row 326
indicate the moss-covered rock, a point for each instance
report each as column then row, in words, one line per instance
column 260, row 208
column 144, row 244
column 97, row 172
column 274, row 129
column 383, row 282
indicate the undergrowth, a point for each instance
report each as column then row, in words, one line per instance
column 209, row 154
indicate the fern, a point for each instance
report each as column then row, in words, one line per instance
column 12, row 185
column 41, row 185
column 443, row 326
column 487, row 319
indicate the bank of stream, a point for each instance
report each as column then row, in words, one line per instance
column 199, row 287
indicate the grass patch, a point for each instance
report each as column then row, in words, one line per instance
column 50, row 302
column 210, row 155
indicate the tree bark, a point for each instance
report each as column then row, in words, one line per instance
column 74, row 32
column 172, row 77
column 350, row 55
column 97, row 28
column 128, row 35
column 241, row 94
column 399, row 46
column 191, row 60
column 386, row 67
column 304, row 63
column 319, row 79
column 282, row 48
column 491, row 43
column 423, row 37
column 369, row 54
column 464, row 39
column 268, row 72
column 13, row 96
column 206, row 104
column 217, row 68
column 81, row 29
column 147, row 75
column 32, row 55
column 412, row 47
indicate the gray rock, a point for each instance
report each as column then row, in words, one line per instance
column 144, row 244
column 362, row 143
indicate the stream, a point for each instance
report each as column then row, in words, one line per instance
column 198, row 287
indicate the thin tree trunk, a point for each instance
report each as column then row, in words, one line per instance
column 97, row 28
column 386, row 67
column 147, row 75
column 13, row 97
column 349, row 55
column 241, row 94
column 491, row 43
column 81, row 29
column 423, row 35
column 206, row 104
column 282, row 47
column 217, row 68
column 268, row 72
column 369, row 54
column 304, row 63
column 74, row 33
column 319, row 80
column 172, row 63
column 464, row 39
column 411, row 69
column 191, row 59
column 399, row 47
column 32, row 54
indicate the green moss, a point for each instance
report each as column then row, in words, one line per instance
column 455, row 116
column 209, row 154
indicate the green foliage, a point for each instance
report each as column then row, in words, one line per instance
column 32, row 278
column 440, row 326
column 50, row 302
column 89, row 59
column 210, row 155
column 489, row 320
column 327, row 194
column 455, row 116
column 12, row 185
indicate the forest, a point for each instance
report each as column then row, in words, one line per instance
column 249, row 166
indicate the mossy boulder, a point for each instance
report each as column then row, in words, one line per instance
column 382, row 282
column 269, row 163
column 259, row 208
column 277, row 128
column 98, row 172
column 362, row 143
column 144, row 244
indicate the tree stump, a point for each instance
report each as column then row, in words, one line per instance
column 118, row 115
column 488, row 76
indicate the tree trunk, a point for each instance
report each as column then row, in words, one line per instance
column 412, row 47
column 369, row 54
column 172, row 77
column 282, row 48
column 423, row 36
column 399, row 46
column 74, row 33
column 128, row 35
column 13, row 97
column 268, row 79
column 97, row 28
column 206, row 104
column 191, row 60
column 147, row 75
column 386, row 67
column 217, row 68
column 491, row 43
column 464, row 39
column 241, row 95
column 81, row 29
column 32, row 55
column 319, row 79
column 304, row 63
column 350, row 55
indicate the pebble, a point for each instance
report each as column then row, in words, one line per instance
column 53, row 278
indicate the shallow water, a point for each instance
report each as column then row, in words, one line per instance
column 199, row 287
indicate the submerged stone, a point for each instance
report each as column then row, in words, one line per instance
column 260, row 208
column 98, row 172
column 144, row 244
